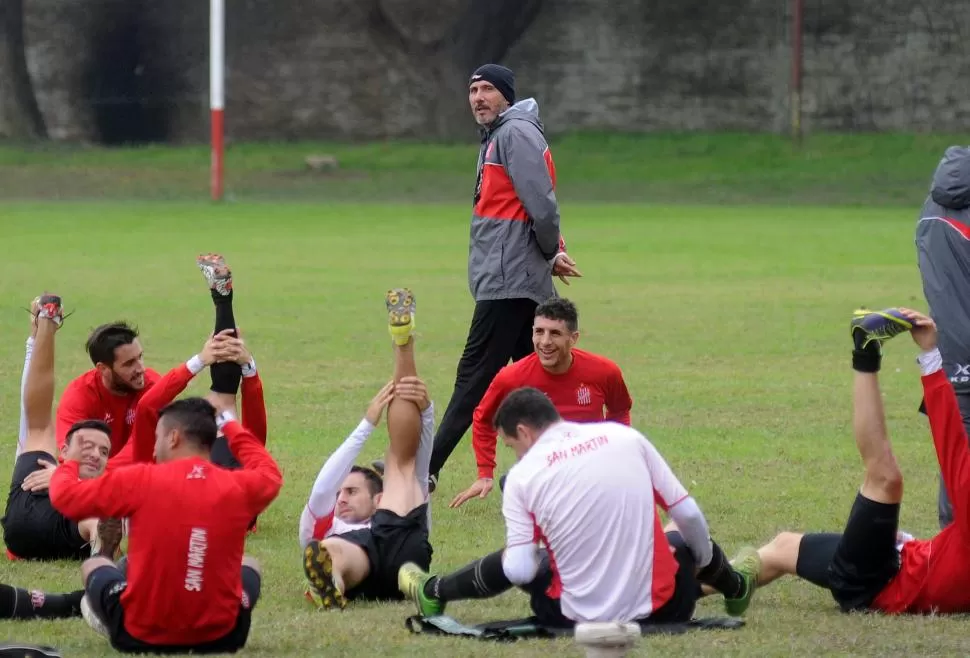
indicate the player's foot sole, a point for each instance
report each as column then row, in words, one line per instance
column 400, row 314
column 108, row 539
column 869, row 326
column 748, row 564
column 318, row 567
column 48, row 307
column 217, row 274
column 411, row 580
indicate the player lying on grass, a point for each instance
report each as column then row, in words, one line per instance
column 871, row 565
column 33, row 529
column 607, row 557
column 806, row 556
column 188, row 586
column 357, row 531
column 584, row 387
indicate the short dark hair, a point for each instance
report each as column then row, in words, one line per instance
column 374, row 481
column 559, row 308
column 92, row 424
column 526, row 406
column 105, row 339
column 195, row 418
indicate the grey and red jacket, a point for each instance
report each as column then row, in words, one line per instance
column 943, row 247
column 515, row 221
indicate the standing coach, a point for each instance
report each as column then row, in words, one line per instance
column 515, row 247
column 943, row 248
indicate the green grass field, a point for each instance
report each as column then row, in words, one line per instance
column 729, row 321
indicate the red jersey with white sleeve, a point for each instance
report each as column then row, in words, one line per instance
column 592, row 390
column 188, row 525
column 589, row 492
column 86, row 398
column 318, row 520
column 933, row 575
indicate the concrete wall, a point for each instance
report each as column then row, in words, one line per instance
column 372, row 69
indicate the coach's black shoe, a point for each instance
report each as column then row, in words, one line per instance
column 24, row 650
column 378, row 465
column 322, row 588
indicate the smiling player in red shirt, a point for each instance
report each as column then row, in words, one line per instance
column 184, row 589
column 110, row 391
column 584, row 387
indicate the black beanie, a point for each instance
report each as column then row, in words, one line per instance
column 501, row 78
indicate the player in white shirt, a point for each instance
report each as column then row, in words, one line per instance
column 589, row 493
column 357, row 528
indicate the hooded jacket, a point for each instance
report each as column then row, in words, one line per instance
column 943, row 247
column 515, row 221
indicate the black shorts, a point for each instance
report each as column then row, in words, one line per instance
column 221, row 455
column 866, row 559
column 104, row 589
column 815, row 553
column 390, row 542
column 32, row 528
column 679, row 609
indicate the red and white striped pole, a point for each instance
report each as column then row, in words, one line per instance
column 217, row 17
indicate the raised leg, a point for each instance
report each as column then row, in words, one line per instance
column 38, row 390
column 402, row 492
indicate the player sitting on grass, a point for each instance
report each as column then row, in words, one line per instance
column 584, row 387
column 33, row 529
column 188, row 586
column 588, row 493
column 356, row 531
column 871, row 565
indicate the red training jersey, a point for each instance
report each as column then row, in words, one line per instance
column 188, row 523
column 86, row 398
column 592, row 390
column 933, row 574
column 141, row 446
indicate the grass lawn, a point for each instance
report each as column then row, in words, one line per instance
column 730, row 324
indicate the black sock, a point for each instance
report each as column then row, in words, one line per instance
column 482, row 579
column 867, row 359
column 225, row 376
column 720, row 575
column 16, row 603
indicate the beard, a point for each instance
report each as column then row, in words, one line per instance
column 119, row 385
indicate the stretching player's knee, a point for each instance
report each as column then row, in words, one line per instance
column 91, row 565
column 785, row 541
column 887, row 478
column 251, row 562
